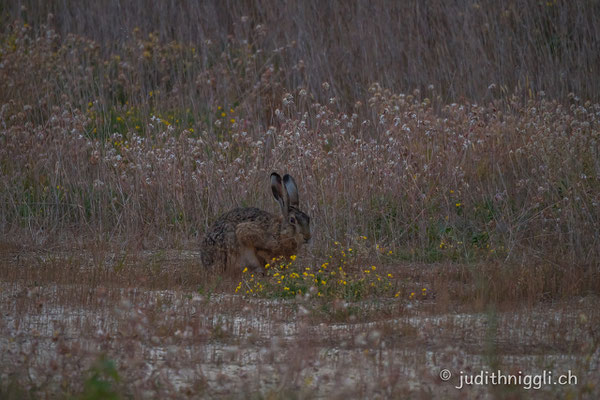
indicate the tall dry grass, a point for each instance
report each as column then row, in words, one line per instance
column 140, row 123
column 461, row 47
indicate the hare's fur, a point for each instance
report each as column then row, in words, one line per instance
column 250, row 237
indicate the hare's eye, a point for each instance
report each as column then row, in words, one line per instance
column 292, row 220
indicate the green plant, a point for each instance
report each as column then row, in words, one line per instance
column 103, row 380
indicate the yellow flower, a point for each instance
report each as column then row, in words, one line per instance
column 223, row 114
column 373, row 268
column 232, row 121
column 286, row 288
column 293, row 258
column 458, row 204
column 364, row 237
column 390, row 276
column 245, row 270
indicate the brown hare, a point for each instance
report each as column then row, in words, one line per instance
column 250, row 237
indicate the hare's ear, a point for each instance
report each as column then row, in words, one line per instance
column 279, row 193
column 291, row 189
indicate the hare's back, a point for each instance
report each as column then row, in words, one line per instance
column 246, row 214
column 225, row 226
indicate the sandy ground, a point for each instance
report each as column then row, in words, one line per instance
column 173, row 343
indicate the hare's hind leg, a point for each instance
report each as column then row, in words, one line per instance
column 257, row 246
column 247, row 258
column 250, row 235
column 264, row 256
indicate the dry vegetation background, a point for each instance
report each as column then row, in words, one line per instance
column 142, row 122
column 464, row 133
